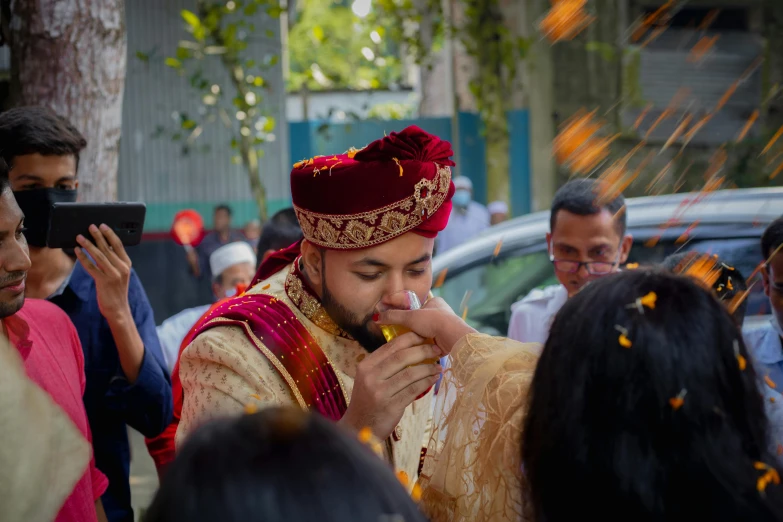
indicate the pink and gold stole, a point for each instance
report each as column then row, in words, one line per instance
column 276, row 332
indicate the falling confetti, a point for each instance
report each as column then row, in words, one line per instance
column 251, row 408
column 416, row 492
column 748, row 125
column 498, row 246
column 441, row 278
column 632, row 266
column 653, row 18
column 770, row 382
column 565, row 20
column 772, row 141
column 701, row 48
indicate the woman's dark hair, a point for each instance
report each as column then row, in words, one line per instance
column 279, row 465
column 38, row 130
column 607, row 435
column 727, row 282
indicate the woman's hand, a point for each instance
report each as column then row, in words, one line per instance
column 436, row 320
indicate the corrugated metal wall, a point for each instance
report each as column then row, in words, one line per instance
column 153, row 169
column 665, row 69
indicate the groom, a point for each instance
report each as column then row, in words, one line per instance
column 304, row 334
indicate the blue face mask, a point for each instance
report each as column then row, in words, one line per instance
column 461, row 198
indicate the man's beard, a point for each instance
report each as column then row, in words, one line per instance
column 356, row 327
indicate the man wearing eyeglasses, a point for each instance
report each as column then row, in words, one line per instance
column 586, row 241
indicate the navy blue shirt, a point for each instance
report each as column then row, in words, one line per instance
column 110, row 400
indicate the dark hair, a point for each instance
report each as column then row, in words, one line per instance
column 4, row 181
column 279, row 233
column 772, row 238
column 38, row 130
column 279, row 465
column 287, row 216
column 578, row 197
column 224, row 208
column 727, row 282
column 605, row 433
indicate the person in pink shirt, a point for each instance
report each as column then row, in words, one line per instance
column 49, row 346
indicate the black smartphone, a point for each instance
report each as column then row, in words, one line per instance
column 68, row 220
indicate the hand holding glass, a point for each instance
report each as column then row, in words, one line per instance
column 404, row 300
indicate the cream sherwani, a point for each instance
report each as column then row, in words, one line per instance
column 222, row 371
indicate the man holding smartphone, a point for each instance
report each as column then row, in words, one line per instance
column 127, row 383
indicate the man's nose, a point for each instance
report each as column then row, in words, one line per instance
column 17, row 258
column 583, row 272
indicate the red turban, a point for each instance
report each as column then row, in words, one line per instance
column 363, row 198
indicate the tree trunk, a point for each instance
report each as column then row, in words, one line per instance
column 70, row 57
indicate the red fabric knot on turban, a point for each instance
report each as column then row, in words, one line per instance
column 398, row 184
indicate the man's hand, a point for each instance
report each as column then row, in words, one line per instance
column 111, row 270
column 436, row 320
column 388, row 380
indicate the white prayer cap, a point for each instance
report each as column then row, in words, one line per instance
column 230, row 255
column 463, row 182
column 498, row 207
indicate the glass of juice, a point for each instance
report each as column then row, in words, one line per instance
column 404, row 300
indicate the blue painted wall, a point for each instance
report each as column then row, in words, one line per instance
column 313, row 138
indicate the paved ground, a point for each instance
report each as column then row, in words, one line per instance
column 143, row 477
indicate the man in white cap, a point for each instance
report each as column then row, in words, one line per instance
column 233, row 266
column 468, row 218
column 498, row 212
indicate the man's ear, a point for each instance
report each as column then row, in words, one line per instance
column 625, row 248
column 312, row 261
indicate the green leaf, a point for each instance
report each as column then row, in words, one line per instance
column 200, row 33
column 258, row 81
column 269, row 33
column 269, row 124
column 144, row 57
column 188, row 124
column 182, row 53
column 234, row 143
column 251, row 9
column 275, row 11
column 318, row 33
column 173, row 63
column 236, row 160
column 273, row 60
column 191, row 19
column 250, row 63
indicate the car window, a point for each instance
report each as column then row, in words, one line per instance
column 488, row 289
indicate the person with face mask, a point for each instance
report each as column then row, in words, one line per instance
column 126, row 379
column 468, row 219
column 586, row 241
column 304, row 335
column 233, row 266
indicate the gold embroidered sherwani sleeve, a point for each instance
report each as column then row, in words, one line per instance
column 221, row 372
column 472, row 468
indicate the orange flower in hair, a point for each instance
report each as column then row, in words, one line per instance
column 623, row 339
column 740, row 359
column 677, row 402
column 770, row 475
